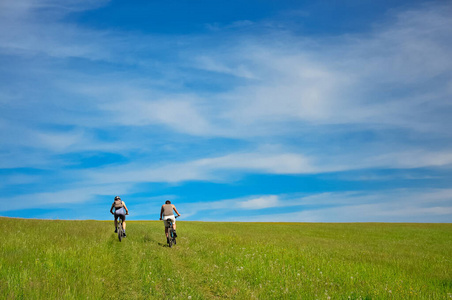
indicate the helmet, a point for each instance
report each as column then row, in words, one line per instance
column 117, row 197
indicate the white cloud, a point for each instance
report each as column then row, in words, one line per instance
column 179, row 114
column 215, row 65
column 216, row 169
column 246, row 203
column 343, row 199
column 400, row 205
column 261, row 202
column 280, row 163
column 386, row 78
column 74, row 196
column 364, row 213
column 384, row 158
column 60, row 141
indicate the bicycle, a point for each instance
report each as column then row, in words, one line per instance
column 171, row 233
column 120, row 229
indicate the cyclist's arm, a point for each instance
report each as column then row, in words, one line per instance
column 175, row 209
column 127, row 211
column 111, row 209
column 161, row 212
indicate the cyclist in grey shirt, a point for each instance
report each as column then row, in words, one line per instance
column 167, row 213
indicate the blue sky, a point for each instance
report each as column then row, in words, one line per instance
column 234, row 110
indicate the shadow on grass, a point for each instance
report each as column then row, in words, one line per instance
column 148, row 239
column 165, row 245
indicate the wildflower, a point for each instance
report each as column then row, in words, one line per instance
column 189, row 297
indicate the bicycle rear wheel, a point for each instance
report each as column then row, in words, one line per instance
column 170, row 238
column 120, row 234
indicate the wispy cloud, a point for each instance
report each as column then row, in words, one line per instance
column 211, row 169
column 74, row 196
column 401, row 205
column 221, row 168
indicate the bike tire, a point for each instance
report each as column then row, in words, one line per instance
column 170, row 238
column 120, row 232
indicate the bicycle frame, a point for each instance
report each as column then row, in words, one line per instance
column 169, row 223
column 171, row 237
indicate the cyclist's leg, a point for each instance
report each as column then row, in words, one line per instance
column 116, row 221
column 174, row 228
column 123, row 217
column 166, row 226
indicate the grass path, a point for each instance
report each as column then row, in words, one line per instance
column 84, row 260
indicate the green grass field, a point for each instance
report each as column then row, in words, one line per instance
column 41, row 259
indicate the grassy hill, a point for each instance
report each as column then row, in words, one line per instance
column 41, row 259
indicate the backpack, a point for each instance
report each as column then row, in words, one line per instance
column 118, row 204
